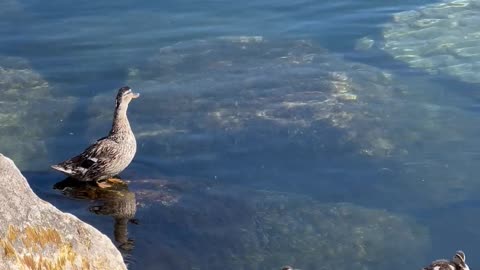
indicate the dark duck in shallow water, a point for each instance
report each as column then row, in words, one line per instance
column 457, row 263
column 110, row 155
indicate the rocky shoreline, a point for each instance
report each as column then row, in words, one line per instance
column 36, row 235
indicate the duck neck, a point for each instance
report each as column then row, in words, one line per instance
column 120, row 124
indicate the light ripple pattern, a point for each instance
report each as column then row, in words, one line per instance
column 440, row 38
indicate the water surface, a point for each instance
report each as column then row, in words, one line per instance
column 260, row 125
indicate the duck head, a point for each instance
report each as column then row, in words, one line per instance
column 459, row 260
column 125, row 95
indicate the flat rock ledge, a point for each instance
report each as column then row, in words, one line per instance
column 36, row 235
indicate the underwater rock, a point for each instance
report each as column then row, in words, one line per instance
column 214, row 226
column 249, row 88
column 270, row 113
column 28, row 113
column 193, row 224
column 36, row 235
column 441, row 38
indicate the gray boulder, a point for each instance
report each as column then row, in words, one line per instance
column 36, row 235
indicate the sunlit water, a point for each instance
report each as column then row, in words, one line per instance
column 234, row 130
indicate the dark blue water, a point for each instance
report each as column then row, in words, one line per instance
column 245, row 149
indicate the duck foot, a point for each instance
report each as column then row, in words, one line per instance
column 116, row 181
column 104, row 184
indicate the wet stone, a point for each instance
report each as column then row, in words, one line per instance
column 36, row 235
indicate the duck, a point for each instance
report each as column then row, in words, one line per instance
column 110, row 155
column 457, row 263
column 288, row 267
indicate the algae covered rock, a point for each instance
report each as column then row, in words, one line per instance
column 213, row 227
column 197, row 225
column 28, row 113
column 237, row 89
column 252, row 109
column 36, row 235
column 441, row 38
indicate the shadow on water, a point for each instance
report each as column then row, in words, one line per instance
column 115, row 201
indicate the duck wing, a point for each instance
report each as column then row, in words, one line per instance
column 440, row 265
column 95, row 157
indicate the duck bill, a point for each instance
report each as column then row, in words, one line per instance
column 135, row 95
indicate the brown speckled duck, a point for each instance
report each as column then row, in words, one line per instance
column 457, row 263
column 110, row 155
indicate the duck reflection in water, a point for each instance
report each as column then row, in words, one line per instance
column 116, row 201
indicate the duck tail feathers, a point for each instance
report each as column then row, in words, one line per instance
column 62, row 168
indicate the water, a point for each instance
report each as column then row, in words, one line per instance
column 251, row 152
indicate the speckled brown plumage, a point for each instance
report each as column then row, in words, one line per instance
column 109, row 155
column 457, row 263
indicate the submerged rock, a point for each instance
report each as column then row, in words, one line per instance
column 278, row 112
column 28, row 113
column 195, row 225
column 210, row 227
column 235, row 90
column 36, row 235
column 441, row 38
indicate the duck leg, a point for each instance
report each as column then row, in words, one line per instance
column 114, row 180
column 107, row 183
column 104, row 184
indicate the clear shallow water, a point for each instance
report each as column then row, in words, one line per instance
column 230, row 122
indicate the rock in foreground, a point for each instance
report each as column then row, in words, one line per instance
column 36, row 235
